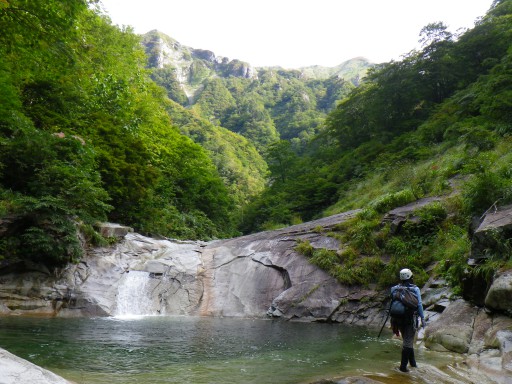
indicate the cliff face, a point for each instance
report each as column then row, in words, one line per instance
column 251, row 276
column 180, row 66
column 191, row 66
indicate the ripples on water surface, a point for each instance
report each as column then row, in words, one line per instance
column 195, row 350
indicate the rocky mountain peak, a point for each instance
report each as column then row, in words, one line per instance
column 164, row 51
column 191, row 66
column 204, row 54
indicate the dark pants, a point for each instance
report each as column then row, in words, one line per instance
column 407, row 327
column 408, row 330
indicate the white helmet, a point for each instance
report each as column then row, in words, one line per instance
column 405, row 274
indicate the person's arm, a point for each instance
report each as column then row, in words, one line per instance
column 420, row 306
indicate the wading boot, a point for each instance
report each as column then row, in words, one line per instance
column 412, row 360
column 405, row 360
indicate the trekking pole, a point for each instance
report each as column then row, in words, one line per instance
column 385, row 321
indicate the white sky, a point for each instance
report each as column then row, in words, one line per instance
column 296, row 33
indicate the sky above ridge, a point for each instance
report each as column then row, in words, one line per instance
column 296, row 33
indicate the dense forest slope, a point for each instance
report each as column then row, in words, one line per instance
column 262, row 104
column 436, row 123
column 100, row 124
column 86, row 136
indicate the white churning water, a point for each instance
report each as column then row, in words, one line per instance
column 134, row 295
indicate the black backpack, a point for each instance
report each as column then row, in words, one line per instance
column 403, row 301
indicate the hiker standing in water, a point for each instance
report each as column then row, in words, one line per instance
column 405, row 309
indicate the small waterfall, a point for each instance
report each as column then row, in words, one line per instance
column 134, row 295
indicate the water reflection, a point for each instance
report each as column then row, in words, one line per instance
column 197, row 350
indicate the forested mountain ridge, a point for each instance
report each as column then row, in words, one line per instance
column 436, row 123
column 182, row 69
column 188, row 67
column 86, row 136
column 262, row 104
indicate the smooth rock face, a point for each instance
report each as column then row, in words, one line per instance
column 15, row 370
column 252, row 276
column 453, row 330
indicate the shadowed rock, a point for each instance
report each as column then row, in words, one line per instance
column 499, row 296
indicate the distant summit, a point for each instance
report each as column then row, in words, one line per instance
column 188, row 67
column 351, row 70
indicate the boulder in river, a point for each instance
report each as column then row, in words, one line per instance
column 15, row 370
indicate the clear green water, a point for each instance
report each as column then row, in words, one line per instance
column 198, row 350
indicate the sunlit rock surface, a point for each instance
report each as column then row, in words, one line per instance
column 252, row 276
column 15, row 370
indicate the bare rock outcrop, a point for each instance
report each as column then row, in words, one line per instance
column 499, row 296
column 484, row 338
column 454, row 329
column 251, row 276
column 262, row 274
column 496, row 225
column 399, row 216
column 491, row 236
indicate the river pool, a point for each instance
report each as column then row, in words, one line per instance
column 199, row 350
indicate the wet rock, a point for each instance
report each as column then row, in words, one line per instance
column 362, row 307
column 499, row 323
column 490, row 352
column 487, row 365
column 435, row 294
column 483, row 323
column 505, row 341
